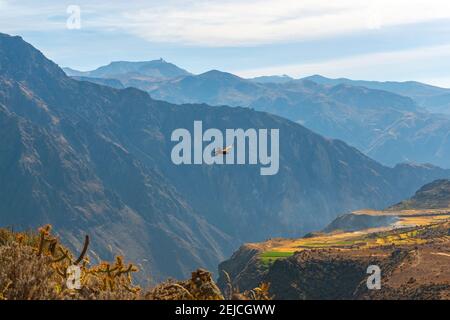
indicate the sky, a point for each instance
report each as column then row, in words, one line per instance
column 395, row 40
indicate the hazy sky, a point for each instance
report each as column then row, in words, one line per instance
column 379, row 40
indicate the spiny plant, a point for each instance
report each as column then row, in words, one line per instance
column 200, row 287
column 109, row 281
column 35, row 266
column 115, row 275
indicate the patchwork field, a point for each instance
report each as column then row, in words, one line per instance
column 407, row 230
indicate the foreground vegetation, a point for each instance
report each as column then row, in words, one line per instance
column 35, row 266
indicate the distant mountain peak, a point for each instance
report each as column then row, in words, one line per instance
column 272, row 79
column 316, row 77
column 218, row 74
column 159, row 69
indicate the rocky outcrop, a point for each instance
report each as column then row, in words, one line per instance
column 355, row 222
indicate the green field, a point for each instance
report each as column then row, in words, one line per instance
column 268, row 257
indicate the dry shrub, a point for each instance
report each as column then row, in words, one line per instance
column 200, row 287
column 34, row 267
column 25, row 276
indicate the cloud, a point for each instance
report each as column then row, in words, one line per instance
column 403, row 63
column 253, row 22
column 226, row 22
column 19, row 16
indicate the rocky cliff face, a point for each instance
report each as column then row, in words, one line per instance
column 432, row 195
column 93, row 159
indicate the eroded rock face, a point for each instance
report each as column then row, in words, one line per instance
column 242, row 269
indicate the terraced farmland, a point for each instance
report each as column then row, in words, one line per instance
column 406, row 231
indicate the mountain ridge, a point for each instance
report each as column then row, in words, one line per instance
column 425, row 95
column 387, row 126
